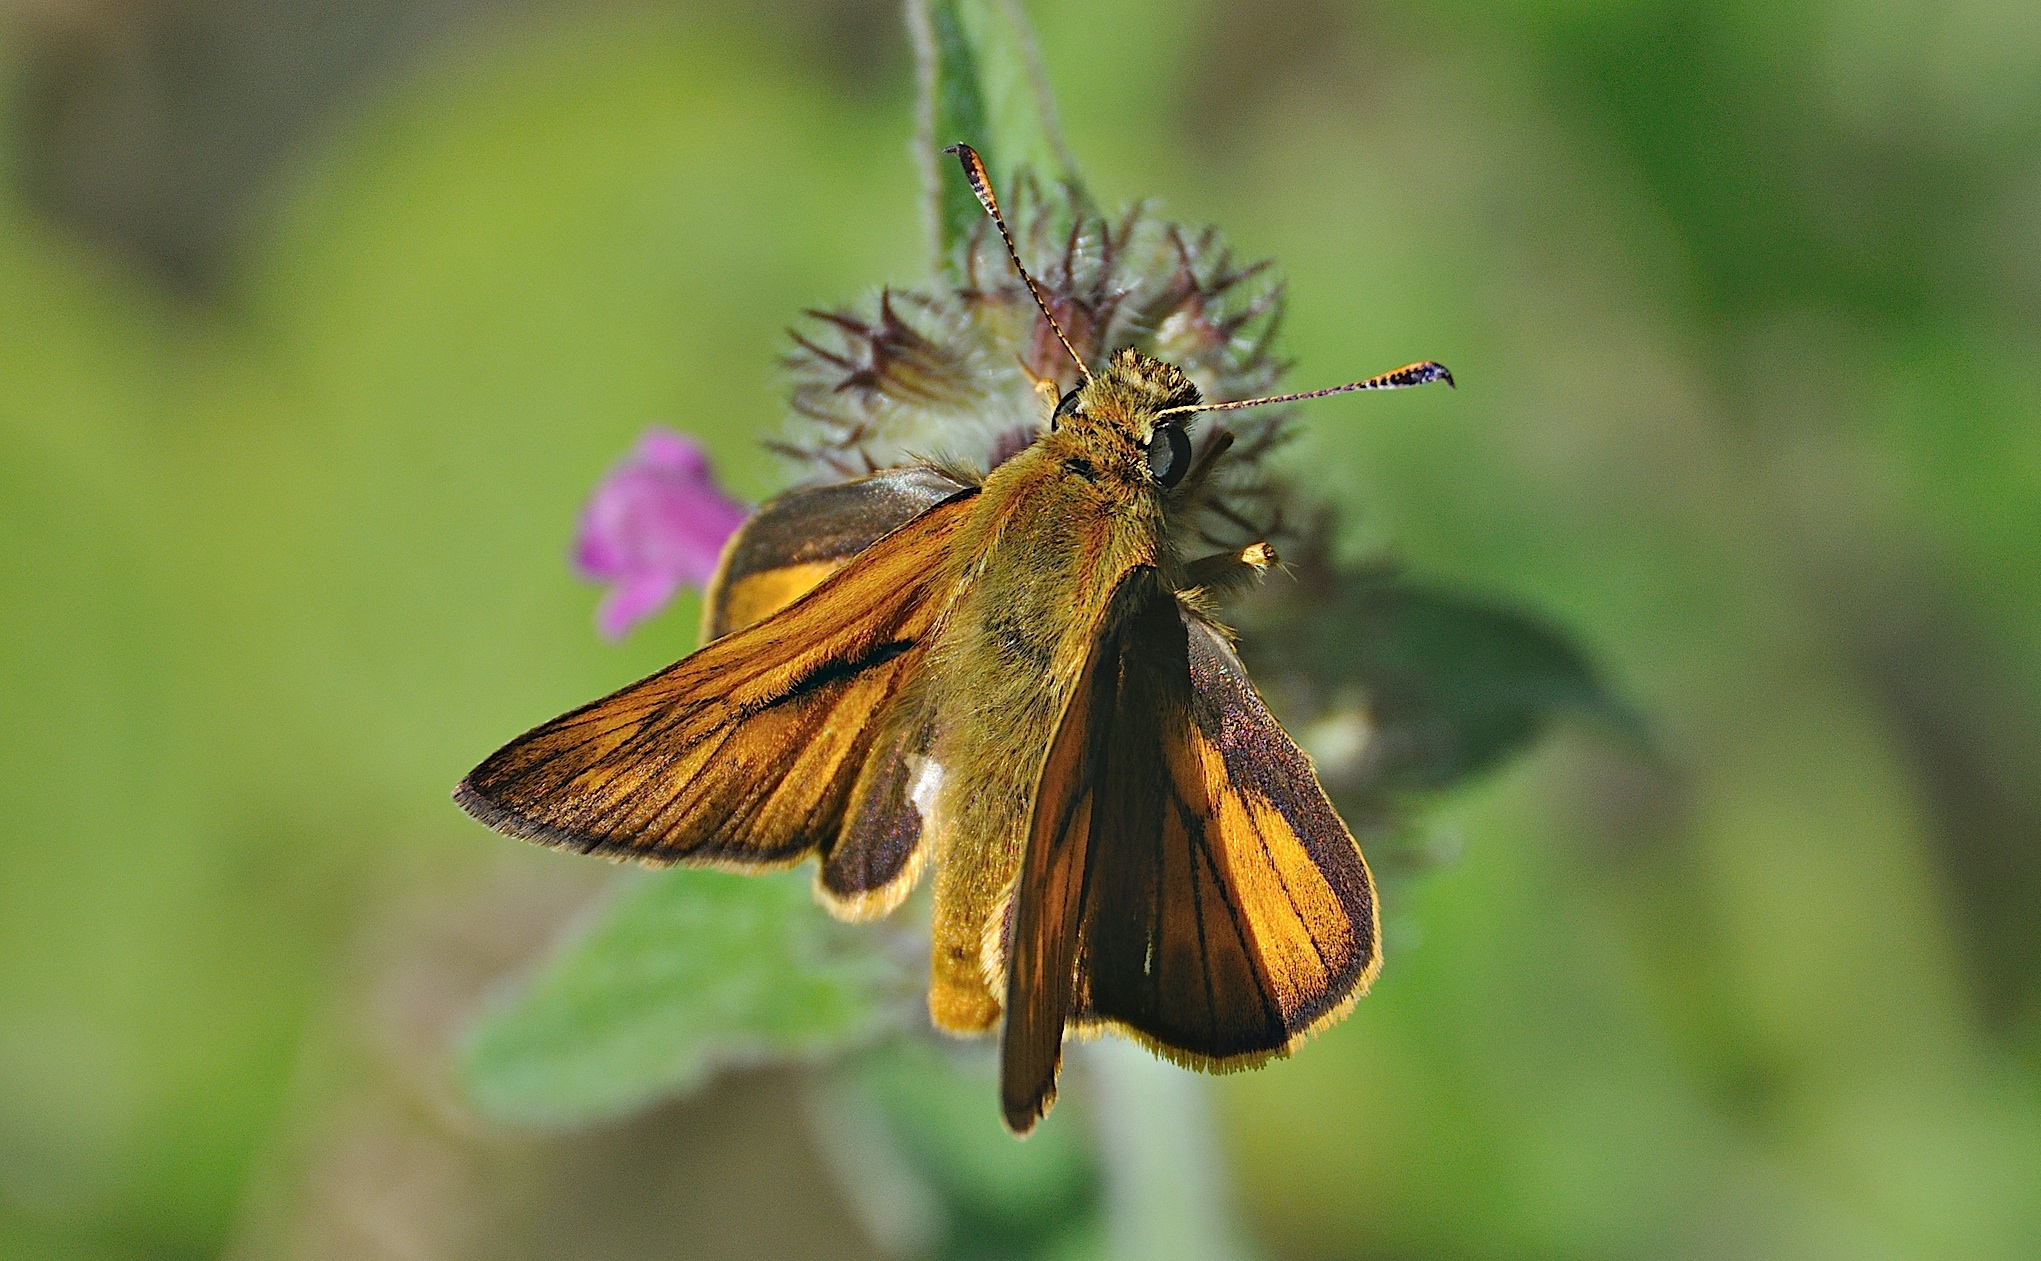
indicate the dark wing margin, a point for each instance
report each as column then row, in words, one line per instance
column 746, row 753
column 1224, row 912
column 797, row 539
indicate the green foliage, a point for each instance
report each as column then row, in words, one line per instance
column 283, row 573
column 1451, row 684
column 1038, row 1197
column 956, row 109
column 686, row 973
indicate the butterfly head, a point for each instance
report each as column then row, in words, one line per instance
column 1110, row 425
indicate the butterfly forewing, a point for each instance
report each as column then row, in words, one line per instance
column 1261, row 911
column 747, row 752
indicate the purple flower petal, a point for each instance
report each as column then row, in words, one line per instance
column 678, row 453
column 656, row 523
column 631, row 601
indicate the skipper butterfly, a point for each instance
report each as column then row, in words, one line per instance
column 1018, row 677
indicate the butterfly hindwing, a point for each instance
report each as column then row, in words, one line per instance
column 878, row 855
column 795, row 540
column 747, row 752
column 1224, row 912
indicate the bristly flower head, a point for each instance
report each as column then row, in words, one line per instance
column 951, row 374
column 657, row 522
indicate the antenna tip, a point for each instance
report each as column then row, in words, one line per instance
column 1427, row 372
column 977, row 176
column 974, row 165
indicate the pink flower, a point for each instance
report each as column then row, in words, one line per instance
column 655, row 523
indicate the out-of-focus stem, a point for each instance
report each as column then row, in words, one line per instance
column 1166, row 1192
column 979, row 81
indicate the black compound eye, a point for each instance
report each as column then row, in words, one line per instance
column 1067, row 406
column 1169, row 455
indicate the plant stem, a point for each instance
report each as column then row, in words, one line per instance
column 1166, row 1193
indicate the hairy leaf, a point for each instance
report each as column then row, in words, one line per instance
column 682, row 974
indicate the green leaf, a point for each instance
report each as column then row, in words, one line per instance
column 1450, row 684
column 981, row 83
column 682, row 974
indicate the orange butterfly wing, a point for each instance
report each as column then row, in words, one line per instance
column 795, row 540
column 756, row 749
column 1186, row 882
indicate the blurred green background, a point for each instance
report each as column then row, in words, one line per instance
column 318, row 319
